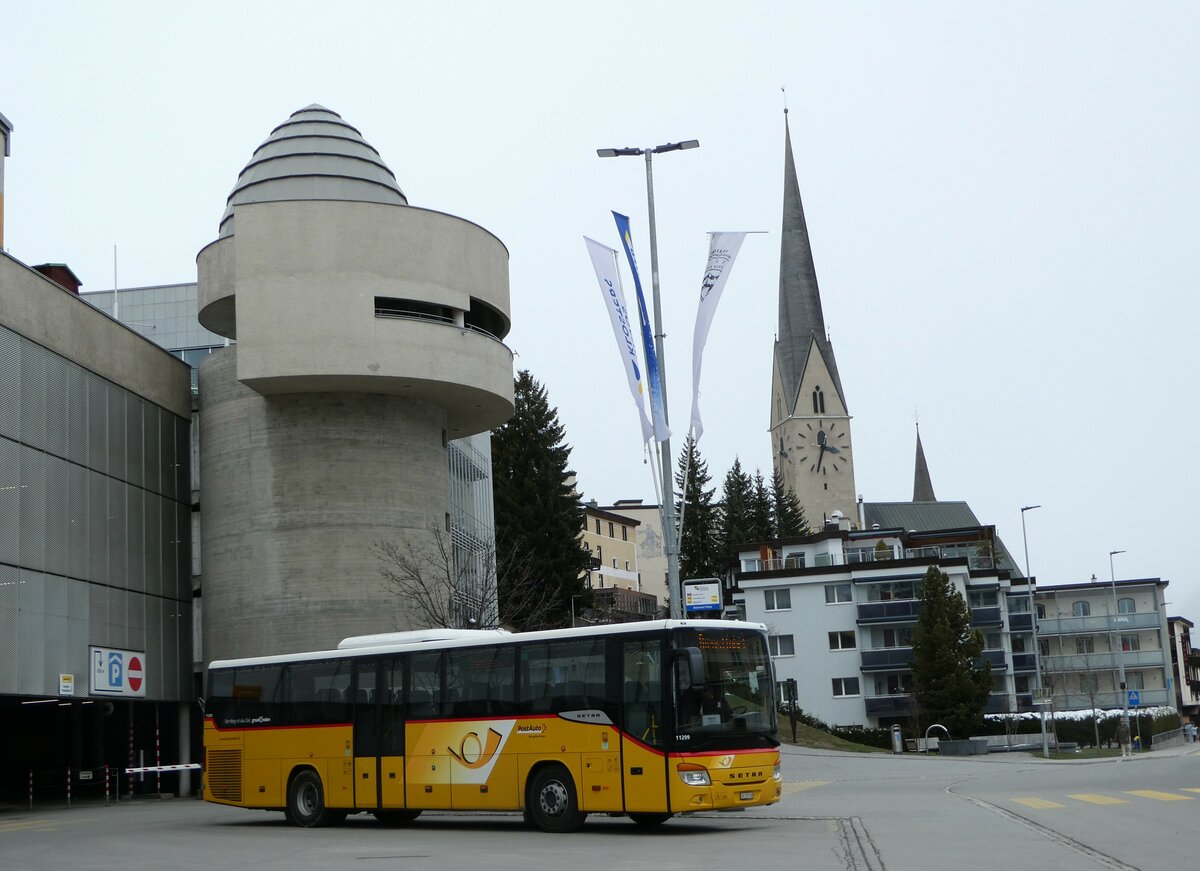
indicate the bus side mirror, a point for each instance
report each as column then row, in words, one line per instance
column 690, row 666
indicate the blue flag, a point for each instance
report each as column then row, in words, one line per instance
column 658, row 411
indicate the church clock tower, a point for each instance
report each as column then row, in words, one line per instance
column 810, row 422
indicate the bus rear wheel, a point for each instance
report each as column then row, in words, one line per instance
column 396, row 818
column 552, row 804
column 650, row 819
column 306, row 802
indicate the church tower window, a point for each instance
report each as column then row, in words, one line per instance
column 818, row 401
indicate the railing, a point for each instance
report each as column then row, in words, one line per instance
column 901, row 611
column 887, row 659
column 888, row 706
column 996, row 658
column 1024, row 662
column 977, row 556
column 773, row 565
column 1094, row 625
column 1101, row 661
column 986, row 617
column 411, row 315
column 997, row 703
column 1020, row 622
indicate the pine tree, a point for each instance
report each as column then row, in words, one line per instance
column 699, row 553
column 538, row 514
column 950, row 686
column 762, row 517
column 789, row 513
column 736, row 527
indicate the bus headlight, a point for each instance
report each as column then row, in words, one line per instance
column 778, row 772
column 693, row 775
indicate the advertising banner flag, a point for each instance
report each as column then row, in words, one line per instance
column 658, row 410
column 604, row 261
column 722, row 250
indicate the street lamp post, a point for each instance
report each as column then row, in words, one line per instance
column 670, row 538
column 1037, row 651
column 1116, row 636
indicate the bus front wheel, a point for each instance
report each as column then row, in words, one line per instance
column 306, row 801
column 552, row 804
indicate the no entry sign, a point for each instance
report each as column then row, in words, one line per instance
column 117, row 672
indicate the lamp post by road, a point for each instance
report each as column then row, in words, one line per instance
column 1120, row 648
column 670, row 535
column 1037, row 652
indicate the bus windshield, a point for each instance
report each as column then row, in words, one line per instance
column 737, row 697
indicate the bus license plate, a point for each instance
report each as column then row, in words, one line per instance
column 746, row 796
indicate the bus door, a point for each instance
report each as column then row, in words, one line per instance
column 366, row 736
column 643, row 726
column 391, row 733
column 427, row 760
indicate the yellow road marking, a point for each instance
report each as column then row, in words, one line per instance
column 1039, row 803
column 801, row 785
column 1159, row 796
column 1096, row 798
column 44, row 824
column 1190, row 789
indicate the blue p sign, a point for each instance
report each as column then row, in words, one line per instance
column 115, row 669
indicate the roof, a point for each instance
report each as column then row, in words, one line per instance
column 922, row 516
column 801, row 321
column 314, row 155
column 922, row 483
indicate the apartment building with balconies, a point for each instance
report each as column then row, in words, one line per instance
column 1185, row 668
column 841, row 607
column 1088, row 632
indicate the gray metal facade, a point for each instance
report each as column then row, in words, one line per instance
column 94, row 526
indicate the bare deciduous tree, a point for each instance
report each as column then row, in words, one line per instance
column 447, row 585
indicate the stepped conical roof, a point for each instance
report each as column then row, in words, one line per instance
column 313, row 155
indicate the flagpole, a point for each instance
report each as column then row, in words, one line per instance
column 667, row 502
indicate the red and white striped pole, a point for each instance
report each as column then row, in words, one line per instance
column 106, row 784
column 130, row 755
column 68, row 787
column 157, row 754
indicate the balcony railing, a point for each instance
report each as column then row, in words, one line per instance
column 996, row 658
column 773, row 565
column 1094, row 625
column 1101, row 661
column 986, row 617
column 896, row 611
column 1020, row 622
column 888, row 706
column 887, row 659
column 978, row 556
column 1024, row 662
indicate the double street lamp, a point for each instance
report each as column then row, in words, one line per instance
column 670, row 539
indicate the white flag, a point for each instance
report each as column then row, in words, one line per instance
column 604, row 261
column 722, row 249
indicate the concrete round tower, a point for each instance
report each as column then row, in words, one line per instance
column 368, row 334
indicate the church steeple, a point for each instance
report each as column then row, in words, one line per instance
column 922, row 484
column 810, row 423
column 801, row 320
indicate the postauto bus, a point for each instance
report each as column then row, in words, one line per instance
column 647, row 720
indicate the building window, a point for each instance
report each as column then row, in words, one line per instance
column 1134, row 680
column 1081, row 609
column 624, row 533
column 777, row 600
column 818, row 401
column 1088, row 684
column 893, row 685
column 845, row 686
column 1130, row 642
column 611, row 531
column 1126, row 606
column 781, row 645
column 599, row 554
column 626, row 565
column 1044, row 646
column 1085, row 644
column 1021, row 683
column 597, row 526
column 841, row 641
column 1018, row 605
column 614, row 562
column 1041, row 611
column 837, row 593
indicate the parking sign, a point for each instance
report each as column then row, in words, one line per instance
column 117, row 672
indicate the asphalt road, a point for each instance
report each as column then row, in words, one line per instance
column 839, row 811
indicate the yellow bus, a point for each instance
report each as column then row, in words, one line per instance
column 647, row 720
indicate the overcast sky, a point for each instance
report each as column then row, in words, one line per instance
column 1001, row 199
